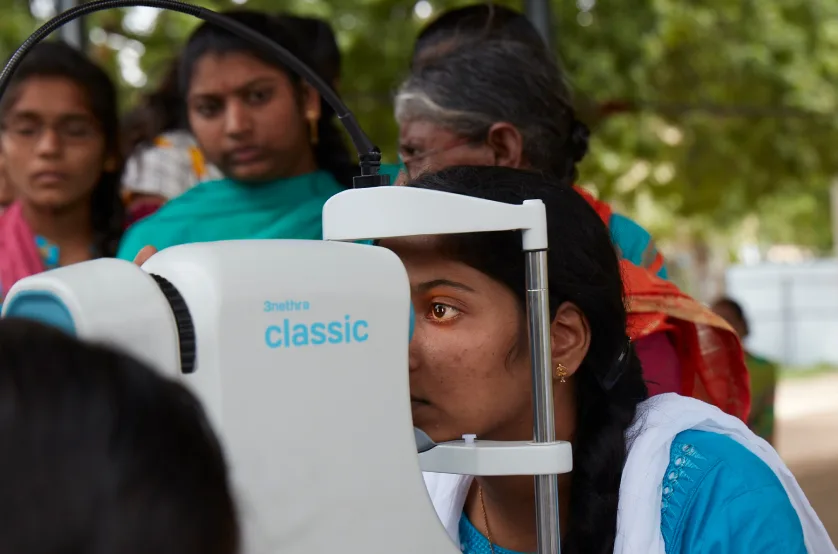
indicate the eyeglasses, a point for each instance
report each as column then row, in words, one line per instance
column 69, row 131
column 412, row 159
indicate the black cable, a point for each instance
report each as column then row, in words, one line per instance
column 368, row 153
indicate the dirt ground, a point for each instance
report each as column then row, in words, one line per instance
column 807, row 439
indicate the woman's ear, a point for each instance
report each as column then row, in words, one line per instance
column 570, row 338
column 507, row 144
column 311, row 102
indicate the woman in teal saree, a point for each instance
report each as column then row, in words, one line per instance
column 269, row 133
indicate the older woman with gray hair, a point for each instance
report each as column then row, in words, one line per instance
column 504, row 103
column 495, row 102
column 502, row 100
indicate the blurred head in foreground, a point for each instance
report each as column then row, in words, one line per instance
column 99, row 454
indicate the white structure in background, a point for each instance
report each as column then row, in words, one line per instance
column 792, row 309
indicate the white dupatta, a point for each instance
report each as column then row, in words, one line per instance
column 658, row 421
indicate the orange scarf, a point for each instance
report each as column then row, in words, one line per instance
column 711, row 355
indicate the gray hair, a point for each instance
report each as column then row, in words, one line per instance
column 470, row 88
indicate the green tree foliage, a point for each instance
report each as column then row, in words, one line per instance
column 730, row 107
column 704, row 112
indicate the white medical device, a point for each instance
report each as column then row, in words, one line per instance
column 299, row 352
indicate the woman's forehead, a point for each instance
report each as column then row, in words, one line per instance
column 65, row 97
column 420, row 130
column 429, row 258
column 416, row 246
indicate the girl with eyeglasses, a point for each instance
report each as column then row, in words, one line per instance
column 58, row 143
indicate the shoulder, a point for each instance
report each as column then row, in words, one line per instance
column 170, row 220
column 710, row 452
column 134, row 239
column 635, row 243
column 392, row 170
column 632, row 239
column 718, row 494
column 629, row 228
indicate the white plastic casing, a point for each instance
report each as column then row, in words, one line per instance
column 318, row 436
column 112, row 301
column 498, row 458
column 386, row 212
column 300, row 421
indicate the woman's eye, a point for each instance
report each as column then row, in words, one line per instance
column 208, row 109
column 256, row 97
column 79, row 129
column 443, row 312
column 25, row 130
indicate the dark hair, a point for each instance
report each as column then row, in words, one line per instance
column 58, row 59
column 159, row 111
column 736, row 308
column 477, row 85
column 98, row 453
column 583, row 269
column 474, row 23
column 321, row 44
column 136, row 130
column 330, row 152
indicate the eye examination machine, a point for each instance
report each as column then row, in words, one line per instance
column 299, row 352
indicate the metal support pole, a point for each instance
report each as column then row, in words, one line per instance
column 73, row 33
column 544, row 422
column 539, row 12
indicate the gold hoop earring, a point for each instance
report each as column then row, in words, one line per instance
column 312, row 128
column 561, row 373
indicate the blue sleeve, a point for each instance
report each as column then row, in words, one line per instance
column 634, row 243
column 737, row 506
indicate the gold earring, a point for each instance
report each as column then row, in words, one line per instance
column 312, row 127
column 561, row 373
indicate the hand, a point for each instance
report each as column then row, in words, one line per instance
column 144, row 254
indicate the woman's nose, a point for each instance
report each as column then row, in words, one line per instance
column 48, row 142
column 237, row 119
column 414, row 350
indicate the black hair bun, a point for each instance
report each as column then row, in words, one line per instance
column 579, row 136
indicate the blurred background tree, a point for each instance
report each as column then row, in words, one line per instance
column 712, row 119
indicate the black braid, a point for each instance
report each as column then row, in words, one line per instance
column 108, row 213
column 599, row 454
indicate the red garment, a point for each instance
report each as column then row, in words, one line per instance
column 140, row 210
column 661, row 366
column 712, row 361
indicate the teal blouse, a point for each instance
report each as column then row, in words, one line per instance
column 717, row 498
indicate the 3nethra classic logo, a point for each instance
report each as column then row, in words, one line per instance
column 289, row 334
